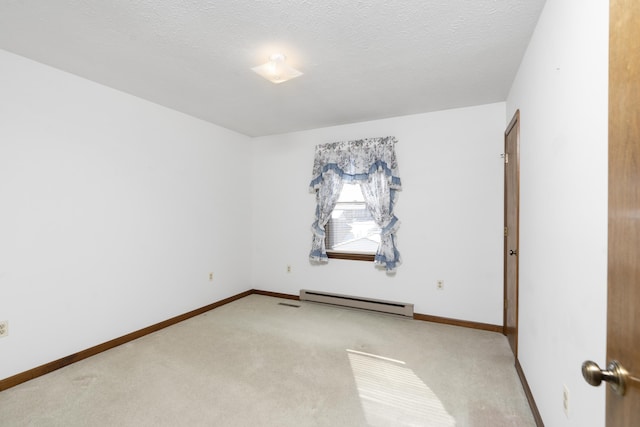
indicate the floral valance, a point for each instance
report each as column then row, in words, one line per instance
column 355, row 160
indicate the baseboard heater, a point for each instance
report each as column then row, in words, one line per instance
column 391, row 307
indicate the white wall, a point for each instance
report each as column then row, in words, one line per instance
column 561, row 91
column 114, row 211
column 451, row 210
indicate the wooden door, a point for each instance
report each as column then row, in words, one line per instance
column 511, row 210
column 623, row 310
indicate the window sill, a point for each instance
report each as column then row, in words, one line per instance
column 351, row 256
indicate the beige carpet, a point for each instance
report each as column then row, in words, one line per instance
column 255, row 362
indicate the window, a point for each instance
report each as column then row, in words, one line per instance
column 351, row 232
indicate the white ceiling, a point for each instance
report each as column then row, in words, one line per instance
column 362, row 60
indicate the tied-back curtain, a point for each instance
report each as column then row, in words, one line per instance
column 372, row 163
column 327, row 196
column 380, row 197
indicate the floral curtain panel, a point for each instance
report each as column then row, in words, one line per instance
column 372, row 163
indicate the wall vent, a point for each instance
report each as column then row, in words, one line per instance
column 391, row 307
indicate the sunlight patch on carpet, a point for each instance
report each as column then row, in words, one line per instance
column 392, row 394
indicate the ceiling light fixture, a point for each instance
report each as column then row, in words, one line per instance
column 276, row 70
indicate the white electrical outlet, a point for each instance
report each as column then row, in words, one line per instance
column 288, row 268
column 4, row 328
column 565, row 399
column 211, row 277
column 440, row 284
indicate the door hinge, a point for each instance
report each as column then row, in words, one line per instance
column 506, row 232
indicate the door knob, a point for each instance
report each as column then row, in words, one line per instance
column 615, row 375
column 512, row 252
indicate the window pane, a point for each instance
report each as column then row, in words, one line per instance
column 351, row 227
column 351, row 193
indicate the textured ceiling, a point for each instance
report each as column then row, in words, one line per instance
column 362, row 60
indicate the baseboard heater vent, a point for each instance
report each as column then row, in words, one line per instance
column 391, row 307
